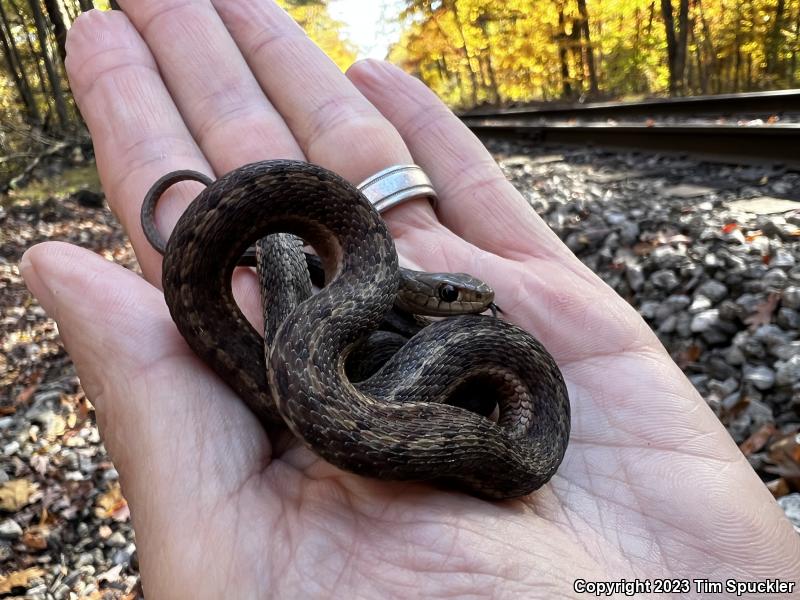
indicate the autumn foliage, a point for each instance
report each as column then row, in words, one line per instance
column 509, row 51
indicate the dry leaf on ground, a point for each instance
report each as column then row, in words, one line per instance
column 18, row 579
column 112, row 505
column 35, row 537
column 784, row 453
column 16, row 494
column 758, row 440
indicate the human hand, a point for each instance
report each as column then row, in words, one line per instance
column 651, row 486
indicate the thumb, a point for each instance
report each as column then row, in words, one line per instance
column 164, row 415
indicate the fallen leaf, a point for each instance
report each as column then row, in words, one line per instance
column 754, row 235
column 688, row 356
column 730, row 227
column 35, row 537
column 56, row 428
column 763, row 313
column 758, row 439
column 112, row 575
column 16, row 494
column 784, row 453
column 18, row 579
column 778, row 487
column 112, row 505
column 39, row 463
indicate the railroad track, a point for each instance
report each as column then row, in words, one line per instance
column 695, row 126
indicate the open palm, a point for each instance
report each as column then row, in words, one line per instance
column 651, row 486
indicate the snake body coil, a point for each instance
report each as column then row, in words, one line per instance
column 404, row 422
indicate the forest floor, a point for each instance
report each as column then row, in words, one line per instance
column 65, row 530
column 709, row 255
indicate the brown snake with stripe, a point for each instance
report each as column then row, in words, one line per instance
column 404, row 422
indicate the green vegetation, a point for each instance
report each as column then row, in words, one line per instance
column 67, row 182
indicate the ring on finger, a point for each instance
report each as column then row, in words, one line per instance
column 397, row 184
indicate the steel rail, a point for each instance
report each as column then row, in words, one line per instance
column 778, row 143
column 766, row 103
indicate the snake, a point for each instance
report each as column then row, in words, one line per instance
column 408, row 419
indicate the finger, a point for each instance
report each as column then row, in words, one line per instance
column 221, row 102
column 138, row 133
column 332, row 121
column 153, row 397
column 323, row 109
column 476, row 200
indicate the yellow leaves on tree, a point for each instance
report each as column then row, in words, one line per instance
column 324, row 30
column 502, row 51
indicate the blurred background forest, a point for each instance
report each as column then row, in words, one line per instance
column 471, row 52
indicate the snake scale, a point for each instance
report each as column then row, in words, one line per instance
column 405, row 421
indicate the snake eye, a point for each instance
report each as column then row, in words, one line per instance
column 448, row 293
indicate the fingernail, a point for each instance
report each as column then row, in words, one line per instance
column 35, row 284
column 25, row 265
column 372, row 67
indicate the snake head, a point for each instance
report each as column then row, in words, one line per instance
column 444, row 294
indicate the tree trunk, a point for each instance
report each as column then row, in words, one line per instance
column 737, row 66
column 676, row 43
column 774, row 39
column 588, row 50
column 491, row 71
column 576, row 51
column 702, row 69
column 59, row 27
column 711, row 51
column 34, row 56
column 683, row 24
column 458, row 50
column 652, row 18
column 16, row 69
column 86, row 5
column 566, row 85
column 793, row 62
column 637, row 43
column 473, row 74
column 669, row 27
column 52, row 73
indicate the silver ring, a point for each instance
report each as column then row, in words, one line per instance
column 396, row 185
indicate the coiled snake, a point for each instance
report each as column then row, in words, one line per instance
column 405, row 421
